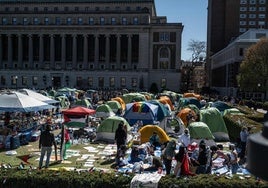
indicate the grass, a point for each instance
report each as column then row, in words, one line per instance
column 33, row 150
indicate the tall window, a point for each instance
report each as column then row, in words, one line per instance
column 90, row 82
column 112, row 81
column 101, row 82
column 113, row 20
column 14, row 21
column 69, row 21
column 102, row 20
column 24, row 80
column 46, row 20
column 91, row 21
column 35, row 80
column 134, row 82
column 80, row 21
column 163, row 83
column 36, row 21
column 25, row 21
column 57, row 21
column 135, row 21
column 123, row 82
column 124, row 21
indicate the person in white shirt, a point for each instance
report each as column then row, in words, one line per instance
column 184, row 139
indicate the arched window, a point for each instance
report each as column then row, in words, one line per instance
column 164, row 58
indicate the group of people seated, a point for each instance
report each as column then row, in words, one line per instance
column 179, row 157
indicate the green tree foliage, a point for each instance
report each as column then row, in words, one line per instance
column 253, row 72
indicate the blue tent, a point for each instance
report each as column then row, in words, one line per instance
column 145, row 111
column 162, row 111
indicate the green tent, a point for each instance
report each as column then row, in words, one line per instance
column 214, row 120
column 104, row 111
column 106, row 130
column 83, row 102
column 200, row 130
column 233, row 111
column 130, row 97
column 114, row 105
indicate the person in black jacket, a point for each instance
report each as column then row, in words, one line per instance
column 120, row 135
column 46, row 141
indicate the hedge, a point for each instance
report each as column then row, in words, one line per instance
column 13, row 178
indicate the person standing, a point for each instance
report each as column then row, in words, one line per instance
column 120, row 135
column 168, row 154
column 233, row 159
column 65, row 142
column 243, row 138
column 185, row 139
column 46, row 141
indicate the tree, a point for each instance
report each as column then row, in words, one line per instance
column 198, row 49
column 253, row 72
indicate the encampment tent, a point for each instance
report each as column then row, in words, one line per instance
column 77, row 116
column 214, row 120
column 104, row 111
column 183, row 113
column 106, row 130
column 200, row 130
column 147, row 131
column 114, row 105
column 184, row 101
column 145, row 111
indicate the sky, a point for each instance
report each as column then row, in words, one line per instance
column 193, row 16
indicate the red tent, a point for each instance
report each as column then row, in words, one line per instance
column 79, row 111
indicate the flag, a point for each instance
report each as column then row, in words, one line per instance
column 185, row 167
column 25, row 158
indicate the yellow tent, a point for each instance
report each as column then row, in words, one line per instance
column 147, row 131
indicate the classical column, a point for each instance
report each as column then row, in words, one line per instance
column 20, row 51
column 41, row 49
column 74, row 52
column 129, row 51
column 52, row 51
column 107, row 50
column 96, row 49
column 10, row 52
column 118, row 50
column 63, row 51
column 85, row 58
column 30, row 51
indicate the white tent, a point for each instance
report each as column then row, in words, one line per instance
column 38, row 96
column 18, row 102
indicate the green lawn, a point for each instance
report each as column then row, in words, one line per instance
column 100, row 161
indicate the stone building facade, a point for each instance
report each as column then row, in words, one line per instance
column 88, row 44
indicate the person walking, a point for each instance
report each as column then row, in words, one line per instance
column 185, row 139
column 167, row 154
column 46, row 141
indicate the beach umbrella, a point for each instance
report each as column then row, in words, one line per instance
column 18, row 102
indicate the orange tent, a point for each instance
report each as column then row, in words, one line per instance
column 184, row 113
column 166, row 100
column 197, row 96
column 121, row 101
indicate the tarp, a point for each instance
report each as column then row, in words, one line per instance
column 104, row 111
column 147, row 131
column 214, row 120
column 200, row 130
column 145, row 111
column 106, row 130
